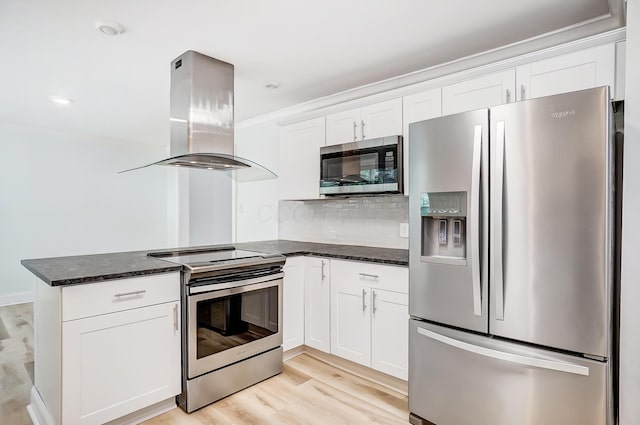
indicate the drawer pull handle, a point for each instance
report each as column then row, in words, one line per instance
column 126, row 294
column 373, row 276
column 175, row 318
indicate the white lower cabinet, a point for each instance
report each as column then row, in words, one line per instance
column 389, row 332
column 317, row 304
column 115, row 364
column 350, row 318
column 369, row 315
column 293, row 303
column 107, row 349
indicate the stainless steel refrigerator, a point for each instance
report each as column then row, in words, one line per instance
column 511, row 264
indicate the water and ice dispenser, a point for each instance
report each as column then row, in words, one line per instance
column 444, row 221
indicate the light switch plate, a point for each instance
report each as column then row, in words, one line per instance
column 404, row 230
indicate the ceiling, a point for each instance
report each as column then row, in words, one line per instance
column 120, row 85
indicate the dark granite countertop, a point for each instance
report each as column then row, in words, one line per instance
column 80, row 269
column 370, row 254
column 77, row 269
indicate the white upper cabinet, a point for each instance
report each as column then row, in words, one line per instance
column 377, row 120
column 381, row 119
column 482, row 92
column 417, row 107
column 299, row 176
column 293, row 303
column 574, row 71
column 344, row 127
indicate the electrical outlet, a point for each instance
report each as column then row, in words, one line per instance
column 404, row 230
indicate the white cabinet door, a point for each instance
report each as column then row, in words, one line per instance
column 481, row 92
column 293, row 303
column 575, row 71
column 115, row 364
column 344, row 127
column 299, row 175
column 369, row 122
column 417, row 107
column 317, row 304
column 390, row 333
column 381, row 119
column 350, row 318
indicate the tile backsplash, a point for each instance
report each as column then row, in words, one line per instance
column 369, row 221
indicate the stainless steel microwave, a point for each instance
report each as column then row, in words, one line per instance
column 365, row 167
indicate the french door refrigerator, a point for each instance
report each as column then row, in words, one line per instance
column 511, row 264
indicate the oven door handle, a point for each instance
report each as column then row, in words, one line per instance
column 193, row 290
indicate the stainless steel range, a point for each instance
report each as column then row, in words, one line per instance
column 231, row 321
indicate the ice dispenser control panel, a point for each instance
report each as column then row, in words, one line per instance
column 444, row 217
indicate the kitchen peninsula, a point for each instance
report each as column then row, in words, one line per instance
column 108, row 326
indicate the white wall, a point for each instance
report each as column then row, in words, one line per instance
column 370, row 221
column 60, row 194
column 630, row 291
column 257, row 202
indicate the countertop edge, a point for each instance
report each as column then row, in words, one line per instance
column 62, row 274
column 346, row 257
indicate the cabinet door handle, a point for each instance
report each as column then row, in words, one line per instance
column 373, row 276
column 373, row 307
column 323, row 275
column 355, row 126
column 126, row 294
column 362, row 124
column 364, row 295
column 508, row 95
column 522, row 92
column 175, row 318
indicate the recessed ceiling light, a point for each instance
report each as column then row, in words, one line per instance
column 60, row 100
column 109, row 27
column 272, row 85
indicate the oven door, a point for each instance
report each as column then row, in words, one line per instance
column 232, row 324
column 369, row 166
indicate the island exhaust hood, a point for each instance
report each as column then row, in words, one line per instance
column 202, row 119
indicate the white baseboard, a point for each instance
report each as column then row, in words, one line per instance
column 37, row 410
column 17, row 298
column 40, row 415
column 146, row 413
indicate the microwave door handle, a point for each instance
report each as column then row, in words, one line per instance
column 474, row 221
column 496, row 257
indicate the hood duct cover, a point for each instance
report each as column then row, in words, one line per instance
column 202, row 119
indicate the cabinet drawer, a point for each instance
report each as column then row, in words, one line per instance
column 390, row 278
column 111, row 296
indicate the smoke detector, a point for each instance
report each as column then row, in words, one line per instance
column 109, row 27
column 273, row 85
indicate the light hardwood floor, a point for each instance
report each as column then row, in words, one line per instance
column 16, row 363
column 309, row 391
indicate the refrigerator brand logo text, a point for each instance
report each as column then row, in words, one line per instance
column 563, row 114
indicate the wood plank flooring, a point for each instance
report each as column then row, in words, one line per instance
column 308, row 392
column 16, row 362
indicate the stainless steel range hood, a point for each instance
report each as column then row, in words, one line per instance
column 202, row 119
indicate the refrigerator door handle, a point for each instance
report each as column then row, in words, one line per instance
column 474, row 221
column 496, row 257
column 507, row 357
